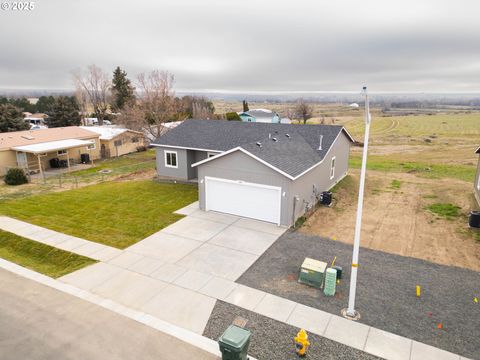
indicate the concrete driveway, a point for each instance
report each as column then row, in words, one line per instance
column 178, row 273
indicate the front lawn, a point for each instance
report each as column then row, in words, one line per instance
column 39, row 257
column 117, row 214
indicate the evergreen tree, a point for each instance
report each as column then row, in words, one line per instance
column 245, row 106
column 122, row 90
column 64, row 112
column 11, row 119
column 44, row 104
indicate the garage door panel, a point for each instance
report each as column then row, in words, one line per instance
column 243, row 199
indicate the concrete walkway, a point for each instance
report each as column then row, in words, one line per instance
column 53, row 238
column 178, row 274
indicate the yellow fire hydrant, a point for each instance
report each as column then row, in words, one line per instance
column 301, row 343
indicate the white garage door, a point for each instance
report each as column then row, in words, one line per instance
column 257, row 201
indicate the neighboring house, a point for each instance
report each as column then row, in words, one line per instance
column 260, row 115
column 477, row 179
column 32, row 149
column 116, row 141
column 35, row 122
column 270, row 172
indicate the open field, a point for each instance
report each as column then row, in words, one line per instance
column 39, row 257
column 114, row 213
column 398, row 217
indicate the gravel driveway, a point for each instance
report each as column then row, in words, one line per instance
column 385, row 291
column 272, row 339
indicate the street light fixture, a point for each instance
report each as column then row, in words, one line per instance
column 350, row 312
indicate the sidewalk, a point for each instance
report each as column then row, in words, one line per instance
column 175, row 293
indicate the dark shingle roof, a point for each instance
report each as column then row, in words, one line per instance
column 478, row 151
column 293, row 155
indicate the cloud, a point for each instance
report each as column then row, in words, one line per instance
column 410, row 45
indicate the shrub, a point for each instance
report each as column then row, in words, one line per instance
column 141, row 148
column 15, row 176
column 232, row 116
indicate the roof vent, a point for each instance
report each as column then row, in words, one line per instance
column 269, row 135
column 275, row 139
column 287, row 135
column 259, row 144
column 28, row 137
column 320, row 143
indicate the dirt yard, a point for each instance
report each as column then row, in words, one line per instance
column 395, row 218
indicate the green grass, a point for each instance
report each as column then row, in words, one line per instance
column 117, row 214
column 420, row 126
column 125, row 162
column 39, row 257
column 396, row 184
column 448, row 211
column 434, row 171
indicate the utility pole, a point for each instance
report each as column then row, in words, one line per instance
column 350, row 312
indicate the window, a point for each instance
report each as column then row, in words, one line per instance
column 117, row 143
column 134, row 139
column 92, row 145
column 171, row 159
column 332, row 168
column 211, row 154
column 61, row 152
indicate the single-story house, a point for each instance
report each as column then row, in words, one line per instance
column 115, row 141
column 477, row 179
column 32, row 149
column 269, row 172
column 260, row 115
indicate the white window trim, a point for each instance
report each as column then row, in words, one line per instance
column 93, row 146
column 478, row 181
column 176, row 158
column 332, row 167
column 211, row 154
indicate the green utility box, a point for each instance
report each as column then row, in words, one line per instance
column 312, row 272
column 234, row 343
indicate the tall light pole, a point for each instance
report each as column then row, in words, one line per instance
column 350, row 312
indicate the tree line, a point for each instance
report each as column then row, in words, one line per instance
column 144, row 104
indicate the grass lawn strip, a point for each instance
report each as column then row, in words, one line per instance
column 116, row 214
column 39, row 257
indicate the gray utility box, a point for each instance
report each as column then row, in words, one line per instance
column 234, row 343
column 312, row 272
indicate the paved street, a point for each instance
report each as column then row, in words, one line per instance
column 37, row 322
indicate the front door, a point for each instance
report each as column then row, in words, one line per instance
column 22, row 161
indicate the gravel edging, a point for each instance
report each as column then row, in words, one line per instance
column 385, row 290
column 273, row 339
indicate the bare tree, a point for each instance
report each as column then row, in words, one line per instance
column 303, row 110
column 155, row 104
column 95, row 85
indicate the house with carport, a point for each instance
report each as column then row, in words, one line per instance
column 33, row 150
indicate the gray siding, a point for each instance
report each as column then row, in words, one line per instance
column 238, row 166
column 319, row 177
column 477, row 183
column 179, row 173
column 185, row 160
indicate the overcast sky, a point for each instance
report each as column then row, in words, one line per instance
column 249, row 45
